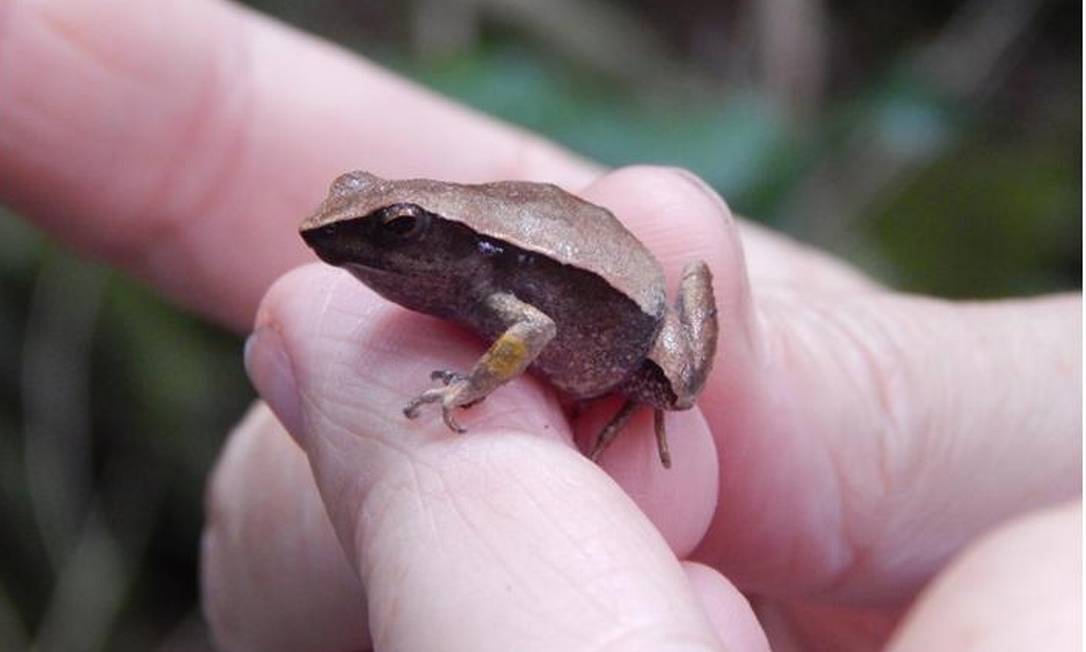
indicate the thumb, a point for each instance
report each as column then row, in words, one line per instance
column 504, row 538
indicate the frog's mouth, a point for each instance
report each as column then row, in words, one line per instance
column 325, row 242
column 363, row 271
column 339, row 244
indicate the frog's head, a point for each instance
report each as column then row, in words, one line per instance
column 400, row 238
column 392, row 236
column 371, row 239
column 402, row 251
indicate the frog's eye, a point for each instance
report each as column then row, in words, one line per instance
column 403, row 221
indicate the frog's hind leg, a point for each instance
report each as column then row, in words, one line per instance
column 681, row 357
column 619, row 421
column 661, row 438
column 696, row 309
column 613, row 427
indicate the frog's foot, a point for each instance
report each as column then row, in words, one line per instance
column 619, row 421
column 450, row 396
column 458, row 391
column 661, row 438
column 446, row 376
column 507, row 357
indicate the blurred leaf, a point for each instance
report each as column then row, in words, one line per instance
column 990, row 219
column 731, row 142
column 20, row 245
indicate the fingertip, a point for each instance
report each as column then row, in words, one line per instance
column 338, row 364
column 478, row 548
column 671, row 210
column 728, row 610
column 272, row 374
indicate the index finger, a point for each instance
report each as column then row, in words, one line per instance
column 185, row 140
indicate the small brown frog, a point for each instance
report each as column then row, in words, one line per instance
column 556, row 283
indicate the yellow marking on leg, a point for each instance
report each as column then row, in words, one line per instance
column 507, row 357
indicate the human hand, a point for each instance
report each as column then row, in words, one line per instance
column 850, row 441
column 832, row 467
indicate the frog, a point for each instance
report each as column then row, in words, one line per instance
column 554, row 283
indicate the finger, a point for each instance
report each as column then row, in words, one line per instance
column 681, row 500
column 850, row 426
column 771, row 258
column 1018, row 589
column 868, row 428
column 215, row 135
column 775, row 260
column 410, row 346
column 727, row 608
column 482, row 541
column 820, row 625
column 274, row 576
column 267, row 534
column 170, row 137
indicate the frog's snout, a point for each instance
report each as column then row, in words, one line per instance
column 327, row 242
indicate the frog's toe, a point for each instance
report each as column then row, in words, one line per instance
column 447, row 415
column 451, row 396
column 446, row 376
column 411, row 410
column 472, row 403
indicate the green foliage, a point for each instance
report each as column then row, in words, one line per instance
column 988, row 219
column 729, row 143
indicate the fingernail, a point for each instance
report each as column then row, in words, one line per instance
column 271, row 372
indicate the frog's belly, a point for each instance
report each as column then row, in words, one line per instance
column 593, row 354
column 602, row 336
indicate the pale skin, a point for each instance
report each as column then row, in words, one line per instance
column 855, row 451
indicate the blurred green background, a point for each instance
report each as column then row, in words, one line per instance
column 935, row 144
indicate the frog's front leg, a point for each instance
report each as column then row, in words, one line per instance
column 528, row 331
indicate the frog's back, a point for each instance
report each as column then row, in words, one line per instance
column 572, row 231
column 544, row 219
